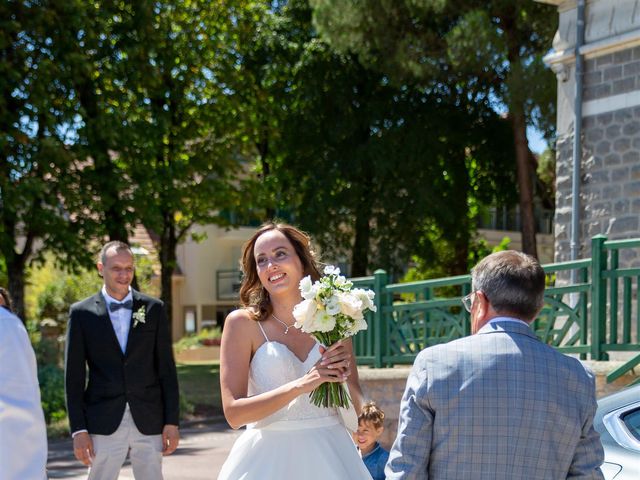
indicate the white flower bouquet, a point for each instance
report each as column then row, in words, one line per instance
column 331, row 311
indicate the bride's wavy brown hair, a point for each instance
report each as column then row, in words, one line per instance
column 253, row 296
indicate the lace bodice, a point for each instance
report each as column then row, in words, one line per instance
column 273, row 364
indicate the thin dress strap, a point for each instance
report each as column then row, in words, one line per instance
column 262, row 329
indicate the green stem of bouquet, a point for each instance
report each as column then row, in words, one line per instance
column 328, row 394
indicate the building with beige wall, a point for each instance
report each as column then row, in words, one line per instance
column 206, row 281
column 205, row 289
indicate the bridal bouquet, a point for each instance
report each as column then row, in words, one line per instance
column 331, row 311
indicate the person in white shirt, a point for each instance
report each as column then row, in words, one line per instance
column 23, row 433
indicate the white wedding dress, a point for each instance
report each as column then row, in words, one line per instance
column 300, row 441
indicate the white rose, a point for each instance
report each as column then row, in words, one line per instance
column 304, row 313
column 350, row 305
column 366, row 297
column 307, row 288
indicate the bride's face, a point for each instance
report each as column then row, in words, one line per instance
column 277, row 263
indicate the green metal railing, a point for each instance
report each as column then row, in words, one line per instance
column 591, row 317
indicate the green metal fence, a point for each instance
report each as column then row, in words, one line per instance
column 597, row 314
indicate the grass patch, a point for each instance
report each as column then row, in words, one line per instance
column 200, row 387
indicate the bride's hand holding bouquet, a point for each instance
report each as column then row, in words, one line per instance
column 331, row 311
column 333, row 367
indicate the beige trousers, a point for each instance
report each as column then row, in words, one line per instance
column 145, row 452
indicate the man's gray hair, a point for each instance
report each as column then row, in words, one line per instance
column 115, row 244
column 513, row 282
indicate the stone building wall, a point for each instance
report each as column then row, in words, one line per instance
column 612, row 74
column 610, row 182
column 610, row 164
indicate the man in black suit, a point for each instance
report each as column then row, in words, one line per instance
column 130, row 403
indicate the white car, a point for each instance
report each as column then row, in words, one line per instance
column 618, row 422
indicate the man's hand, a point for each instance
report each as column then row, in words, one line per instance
column 170, row 439
column 83, row 448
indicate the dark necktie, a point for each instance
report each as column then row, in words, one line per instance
column 115, row 306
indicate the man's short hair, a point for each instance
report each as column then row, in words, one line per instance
column 115, row 244
column 513, row 282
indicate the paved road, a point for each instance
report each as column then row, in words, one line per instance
column 202, row 450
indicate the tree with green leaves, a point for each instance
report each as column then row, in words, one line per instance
column 95, row 63
column 262, row 50
column 115, row 113
column 42, row 203
column 359, row 161
column 182, row 152
column 488, row 52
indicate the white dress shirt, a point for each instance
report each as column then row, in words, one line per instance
column 120, row 319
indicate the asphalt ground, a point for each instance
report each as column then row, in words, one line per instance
column 204, row 445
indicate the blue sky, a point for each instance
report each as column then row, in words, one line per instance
column 537, row 143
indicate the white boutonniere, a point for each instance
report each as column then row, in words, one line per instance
column 139, row 316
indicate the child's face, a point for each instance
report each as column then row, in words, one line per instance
column 367, row 435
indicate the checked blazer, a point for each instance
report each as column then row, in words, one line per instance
column 144, row 376
column 498, row 405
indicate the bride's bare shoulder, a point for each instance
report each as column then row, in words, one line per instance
column 240, row 332
column 241, row 320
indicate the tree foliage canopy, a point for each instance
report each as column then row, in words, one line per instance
column 362, row 161
column 376, row 125
column 487, row 52
column 43, row 204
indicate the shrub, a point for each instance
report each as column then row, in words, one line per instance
column 49, row 351
column 51, row 378
column 207, row 336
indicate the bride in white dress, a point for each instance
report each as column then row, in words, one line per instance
column 268, row 368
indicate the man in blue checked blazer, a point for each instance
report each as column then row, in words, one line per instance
column 499, row 404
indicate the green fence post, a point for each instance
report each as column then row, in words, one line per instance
column 584, row 312
column 598, row 297
column 466, row 317
column 379, row 326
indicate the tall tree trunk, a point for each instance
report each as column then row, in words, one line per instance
column 167, row 251
column 525, row 184
column 16, row 265
column 517, row 94
column 16, row 273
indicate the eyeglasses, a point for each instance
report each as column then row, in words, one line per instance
column 467, row 301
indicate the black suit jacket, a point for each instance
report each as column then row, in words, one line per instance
column 144, row 376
